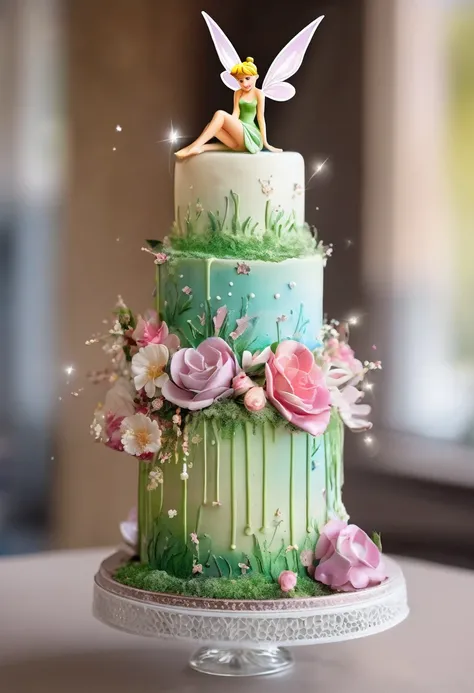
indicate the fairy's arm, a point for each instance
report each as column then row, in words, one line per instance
column 236, row 111
column 261, row 122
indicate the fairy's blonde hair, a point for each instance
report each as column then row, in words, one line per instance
column 246, row 68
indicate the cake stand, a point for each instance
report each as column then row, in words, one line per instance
column 248, row 637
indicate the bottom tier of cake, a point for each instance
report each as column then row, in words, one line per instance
column 252, row 502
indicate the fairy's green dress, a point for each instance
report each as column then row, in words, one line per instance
column 252, row 137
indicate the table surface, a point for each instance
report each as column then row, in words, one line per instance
column 50, row 643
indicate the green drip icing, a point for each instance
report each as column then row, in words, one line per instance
column 248, row 526
column 184, row 510
column 162, row 493
column 326, row 474
column 218, row 463
column 157, row 297
column 292, row 470
column 308, row 483
column 264, row 480
column 233, row 500
column 141, row 507
column 208, row 279
column 204, row 471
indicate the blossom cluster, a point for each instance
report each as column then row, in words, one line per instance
column 158, row 385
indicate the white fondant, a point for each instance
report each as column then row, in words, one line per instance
column 213, row 175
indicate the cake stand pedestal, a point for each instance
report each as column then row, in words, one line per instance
column 248, row 637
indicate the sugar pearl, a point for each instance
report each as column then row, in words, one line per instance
column 276, row 296
column 251, row 295
column 231, row 283
column 218, row 298
column 292, row 285
column 181, row 276
column 230, row 293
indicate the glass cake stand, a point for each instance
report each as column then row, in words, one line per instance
column 248, row 637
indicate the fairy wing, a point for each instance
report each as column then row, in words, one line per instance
column 225, row 50
column 287, row 62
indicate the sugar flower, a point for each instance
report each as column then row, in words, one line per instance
column 241, row 384
column 253, row 361
column 148, row 368
column 197, row 568
column 306, row 558
column 219, row 318
column 150, row 331
column 342, row 368
column 201, row 376
column 287, row 580
column 255, row 399
column 155, row 478
column 194, row 538
column 242, row 325
column 129, row 529
column 348, row 558
column 296, row 388
column 187, row 290
column 242, row 268
column 243, row 567
column 352, row 413
column 140, row 435
column 172, row 513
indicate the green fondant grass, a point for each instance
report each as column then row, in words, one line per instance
column 243, row 587
column 269, row 247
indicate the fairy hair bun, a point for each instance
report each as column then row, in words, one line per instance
column 249, row 60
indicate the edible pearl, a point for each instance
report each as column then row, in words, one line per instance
column 292, row 285
column 181, row 276
column 231, row 283
column 251, row 295
column 230, row 293
column 218, row 298
column 276, row 296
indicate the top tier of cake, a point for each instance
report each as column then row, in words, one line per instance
column 258, row 182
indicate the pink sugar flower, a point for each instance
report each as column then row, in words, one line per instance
column 201, row 376
column 242, row 268
column 287, row 580
column 348, row 558
column 149, row 331
column 295, row 386
column 241, row 384
column 194, row 538
column 255, row 399
column 219, row 318
column 187, row 290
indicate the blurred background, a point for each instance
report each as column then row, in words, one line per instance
column 385, row 97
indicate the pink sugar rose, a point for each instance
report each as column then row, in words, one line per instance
column 295, row 386
column 255, row 399
column 287, row 580
column 241, row 384
column 348, row 558
column 149, row 331
column 201, row 376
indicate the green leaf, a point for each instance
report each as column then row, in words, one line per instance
column 377, row 539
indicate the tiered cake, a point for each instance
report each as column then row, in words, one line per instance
column 254, row 493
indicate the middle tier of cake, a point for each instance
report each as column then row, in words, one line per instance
column 282, row 299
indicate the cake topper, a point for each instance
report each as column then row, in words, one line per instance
column 238, row 130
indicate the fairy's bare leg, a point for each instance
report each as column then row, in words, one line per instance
column 215, row 147
column 227, row 128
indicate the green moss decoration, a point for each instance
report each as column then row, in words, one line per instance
column 229, row 415
column 241, row 587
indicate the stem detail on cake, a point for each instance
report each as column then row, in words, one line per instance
column 218, row 463
column 204, row 471
column 208, row 279
column 248, row 526
column 264, row 480
column 233, row 500
column 292, row 471
column 308, row 483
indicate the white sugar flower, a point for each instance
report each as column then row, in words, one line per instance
column 352, row 413
column 243, row 568
column 258, row 358
column 148, row 368
column 129, row 529
column 140, row 435
column 155, row 478
column 172, row 513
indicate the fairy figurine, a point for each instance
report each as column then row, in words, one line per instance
column 238, row 130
